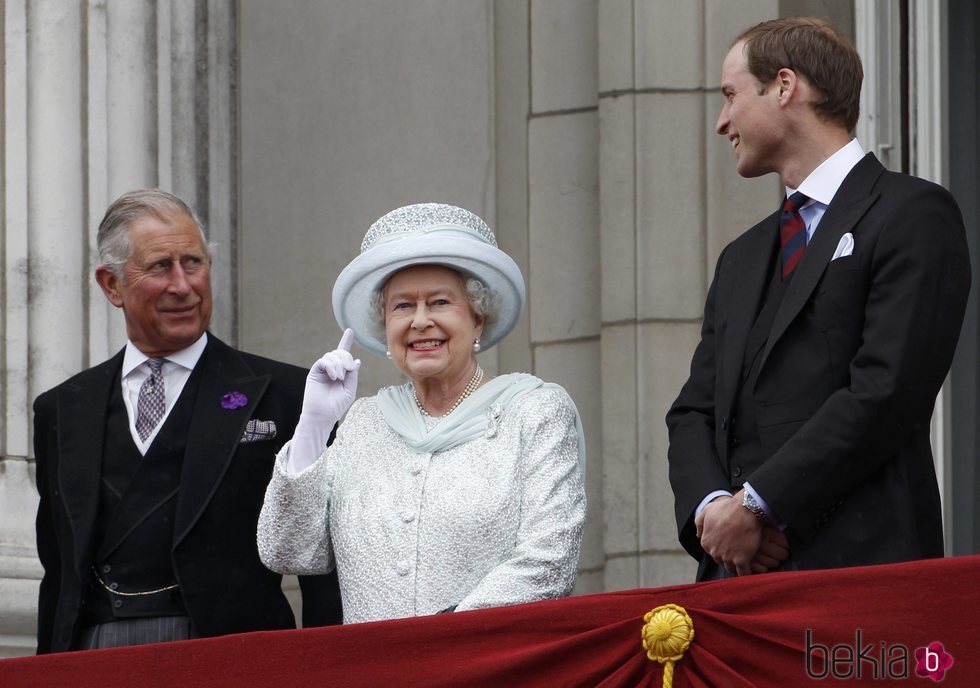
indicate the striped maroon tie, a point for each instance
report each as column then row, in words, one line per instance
column 792, row 233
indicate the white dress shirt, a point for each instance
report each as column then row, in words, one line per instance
column 820, row 186
column 177, row 367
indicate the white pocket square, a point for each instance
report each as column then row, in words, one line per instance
column 845, row 247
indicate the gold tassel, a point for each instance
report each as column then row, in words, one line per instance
column 667, row 634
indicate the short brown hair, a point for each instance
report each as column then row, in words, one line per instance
column 814, row 50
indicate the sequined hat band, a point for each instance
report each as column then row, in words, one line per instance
column 420, row 218
column 468, row 232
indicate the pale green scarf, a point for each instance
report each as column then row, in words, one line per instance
column 476, row 416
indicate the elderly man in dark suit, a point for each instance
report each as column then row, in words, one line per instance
column 152, row 466
column 801, row 438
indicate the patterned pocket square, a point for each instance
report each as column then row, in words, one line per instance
column 259, row 430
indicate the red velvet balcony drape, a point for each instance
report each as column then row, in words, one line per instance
column 773, row 630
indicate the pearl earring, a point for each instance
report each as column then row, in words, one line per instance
column 476, row 346
column 388, row 354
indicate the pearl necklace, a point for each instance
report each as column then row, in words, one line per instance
column 470, row 388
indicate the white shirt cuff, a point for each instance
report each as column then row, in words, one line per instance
column 711, row 496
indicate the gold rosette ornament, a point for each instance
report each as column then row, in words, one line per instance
column 667, row 634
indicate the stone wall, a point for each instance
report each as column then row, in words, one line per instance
column 582, row 130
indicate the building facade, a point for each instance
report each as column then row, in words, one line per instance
column 581, row 130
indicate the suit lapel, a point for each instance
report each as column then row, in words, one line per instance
column 81, row 427
column 750, row 270
column 215, row 431
column 848, row 206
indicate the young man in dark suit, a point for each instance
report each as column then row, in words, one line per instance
column 152, row 466
column 801, row 438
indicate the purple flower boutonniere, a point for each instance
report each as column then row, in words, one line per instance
column 233, row 400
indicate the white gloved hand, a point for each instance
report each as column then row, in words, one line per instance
column 331, row 388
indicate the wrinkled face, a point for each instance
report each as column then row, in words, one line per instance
column 751, row 121
column 166, row 293
column 429, row 323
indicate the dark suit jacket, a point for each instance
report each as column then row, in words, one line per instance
column 225, row 587
column 855, row 357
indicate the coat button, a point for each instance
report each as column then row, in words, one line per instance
column 402, row 568
column 117, row 604
column 106, row 568
column 724, row 423
column 737, row 471
column 416, row 469
column 114, row 586
column 408, row 517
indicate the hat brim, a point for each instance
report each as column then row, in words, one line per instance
column 368, row 272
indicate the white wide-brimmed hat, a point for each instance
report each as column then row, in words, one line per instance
column 427, row 234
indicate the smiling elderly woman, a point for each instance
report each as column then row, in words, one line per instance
column 454, row 491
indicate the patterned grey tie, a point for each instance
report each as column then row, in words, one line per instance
column 152, row 401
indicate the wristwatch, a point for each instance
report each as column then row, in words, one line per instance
column 748, row 501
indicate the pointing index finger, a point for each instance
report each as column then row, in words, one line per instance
column 346, row 340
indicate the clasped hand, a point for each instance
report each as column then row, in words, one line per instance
column 737, row 540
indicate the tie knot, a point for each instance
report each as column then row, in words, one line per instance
column 155, row 365
column 796, row 201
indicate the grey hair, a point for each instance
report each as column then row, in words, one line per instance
column 483, row 300
column 113, row 242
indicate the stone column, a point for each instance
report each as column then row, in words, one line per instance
column 563, row 231
column 547, row 205
column 99, row 97
column 669, row 201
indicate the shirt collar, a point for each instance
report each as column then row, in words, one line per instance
column 821, row 184
column 186, row 358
